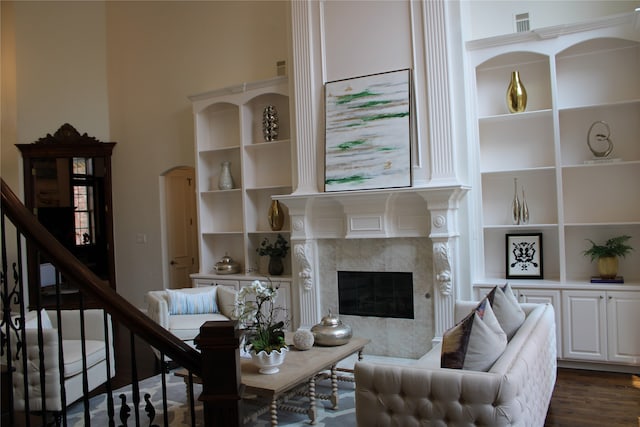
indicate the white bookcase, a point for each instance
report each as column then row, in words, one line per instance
column 574, row 76
column 228, row 127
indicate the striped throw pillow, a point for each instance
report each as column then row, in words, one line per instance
column 192, row 303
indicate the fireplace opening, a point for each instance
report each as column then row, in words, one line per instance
column 378, row 294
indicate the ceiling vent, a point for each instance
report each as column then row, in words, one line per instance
column 522, row 22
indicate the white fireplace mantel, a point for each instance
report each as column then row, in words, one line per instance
column 390, row 213
column 394, row 213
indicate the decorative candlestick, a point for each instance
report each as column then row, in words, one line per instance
column 524, row 210
column 515, row 204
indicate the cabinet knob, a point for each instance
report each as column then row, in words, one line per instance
column 601, row 297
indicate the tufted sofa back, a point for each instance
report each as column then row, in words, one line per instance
column 515, row 392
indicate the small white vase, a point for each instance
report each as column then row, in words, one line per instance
column 225, row 180
column 268, row 363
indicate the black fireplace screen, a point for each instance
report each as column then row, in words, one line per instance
column 379, row 294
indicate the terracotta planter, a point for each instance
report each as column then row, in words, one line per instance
column 608, row 267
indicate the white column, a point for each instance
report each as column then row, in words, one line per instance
column 305, row 280
column 306, row 94
column 441, row 142
column 443, row 209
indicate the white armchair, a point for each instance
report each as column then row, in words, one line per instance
column 71, row 349
column 185, row 324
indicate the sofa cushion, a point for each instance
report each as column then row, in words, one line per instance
column 31, row 320
column 187, row 326
column 192, row 303
column 507, row 309
column 227, row 301
column 73, row 355
column 476, row 342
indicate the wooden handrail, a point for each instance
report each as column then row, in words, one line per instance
column 119, row 308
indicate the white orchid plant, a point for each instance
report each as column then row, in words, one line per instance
column 257, row 313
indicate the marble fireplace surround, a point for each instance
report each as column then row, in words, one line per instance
column 410, row 230
column 409, row 338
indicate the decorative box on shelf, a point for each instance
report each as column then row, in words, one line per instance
column 598, row 279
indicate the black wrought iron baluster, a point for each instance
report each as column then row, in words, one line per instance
column 22, row 345
column 83, row 347
column 9, row 327
column 125, row 410
column 150, row 410
column 163, row 377
column 192, row 406
column 135, row 387
column 109, row 336
column 63, row 389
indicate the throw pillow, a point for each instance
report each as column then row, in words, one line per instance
column 227, row 297
column 507, row 309
column 31, row 320
column 192, row 303
column 475, row 343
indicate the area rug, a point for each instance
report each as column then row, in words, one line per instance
column 178, row 409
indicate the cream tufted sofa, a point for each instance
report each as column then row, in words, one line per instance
column 516, row 391
column 73, row 371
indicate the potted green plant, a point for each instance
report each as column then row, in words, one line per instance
column 276, row 252
column 607, row 255
column 263, row 333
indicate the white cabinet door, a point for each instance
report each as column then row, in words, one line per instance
column 284, row 301
column 202, row 282
column 544, row 296
column 584, row 325
column 623, row 320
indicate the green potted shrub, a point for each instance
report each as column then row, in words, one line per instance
column 607, row 255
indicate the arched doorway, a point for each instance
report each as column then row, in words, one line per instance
column 180, row 227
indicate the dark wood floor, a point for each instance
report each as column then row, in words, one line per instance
column 593, row 398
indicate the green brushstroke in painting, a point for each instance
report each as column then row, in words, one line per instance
column 347, row 179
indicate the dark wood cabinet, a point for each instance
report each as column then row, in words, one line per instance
column 67, row 185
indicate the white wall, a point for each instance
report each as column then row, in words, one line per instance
column 497, row 17
column 365, row 39
column 122, row 71
column 58, row 57
column 158, row 54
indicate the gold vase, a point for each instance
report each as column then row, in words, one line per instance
column 276, row 216
column 516, row 94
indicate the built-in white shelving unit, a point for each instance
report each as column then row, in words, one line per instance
column 573, row 77
column 228, row 128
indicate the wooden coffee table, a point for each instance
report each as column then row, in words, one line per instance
column 299, row 368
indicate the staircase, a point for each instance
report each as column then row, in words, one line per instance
column 217, row 344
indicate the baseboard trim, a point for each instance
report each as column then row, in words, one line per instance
column 627, row 369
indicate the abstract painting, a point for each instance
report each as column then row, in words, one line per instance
column 524, row 256
column 368, row 132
